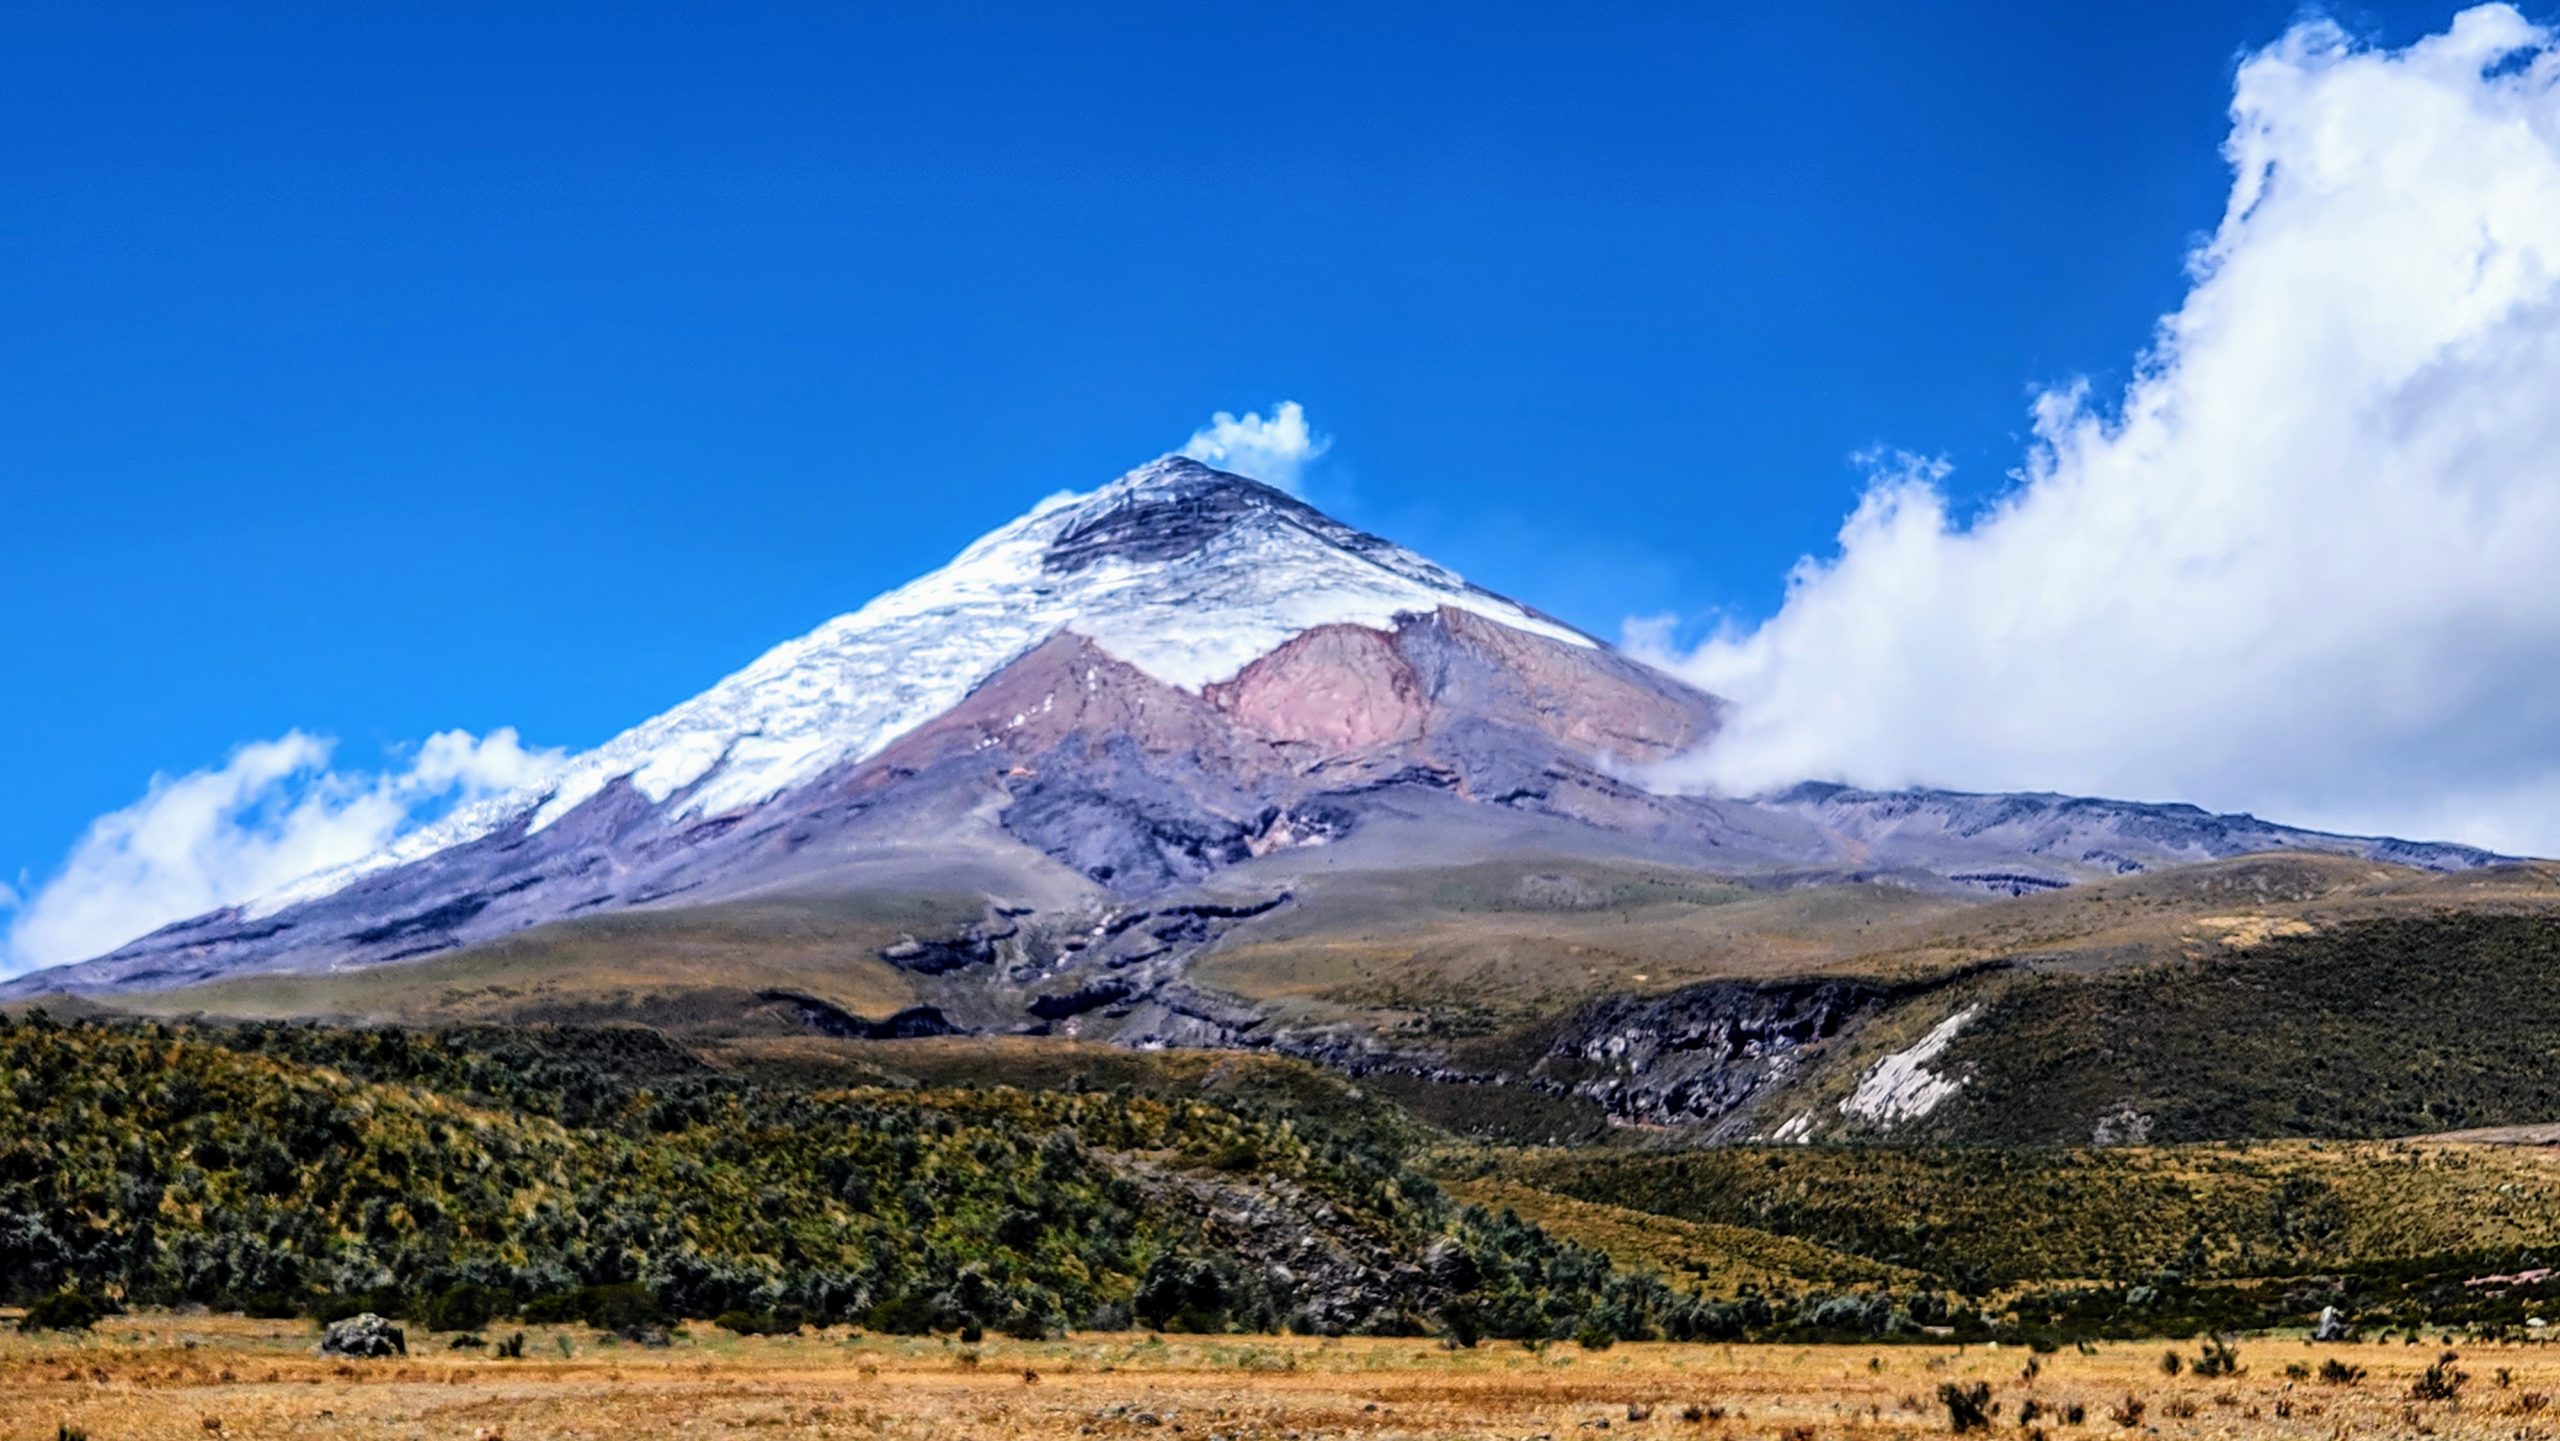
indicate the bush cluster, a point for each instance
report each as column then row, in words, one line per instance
column 456, row 1177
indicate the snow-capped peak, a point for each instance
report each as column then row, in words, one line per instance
column 1185, row 572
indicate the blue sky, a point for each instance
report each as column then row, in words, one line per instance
column 374, row 370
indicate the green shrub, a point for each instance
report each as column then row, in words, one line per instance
column 1968, row 1407
column 1460, row 1325
column 2441, row 1381
column 382, row 1301
column 66, row 1311
column 2218, row 1358
column 269, row 1306
column 459, row 1308
column 780, row 1321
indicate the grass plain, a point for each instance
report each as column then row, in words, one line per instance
column 161, row 1375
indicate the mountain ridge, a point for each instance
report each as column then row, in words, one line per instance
column 1116, row 696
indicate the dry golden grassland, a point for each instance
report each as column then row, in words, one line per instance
column 689, row 970
column 223, row 1377
column 1521, row 938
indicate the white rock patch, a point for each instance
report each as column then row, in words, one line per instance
column 1902, row 1087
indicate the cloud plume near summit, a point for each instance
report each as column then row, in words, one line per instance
column 2307, row 563
column 1275, row 451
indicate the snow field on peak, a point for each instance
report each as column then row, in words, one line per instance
column 849, row 688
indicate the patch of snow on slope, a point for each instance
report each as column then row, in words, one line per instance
column 1902, row 1087
column 845, row 691
column 1798, row 1128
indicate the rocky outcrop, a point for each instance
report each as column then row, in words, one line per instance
column 1337, row 691
column 1703, row 1054
column 975, row 946
column 829, row 1019
column 1336, row 1277
column 365, row 1337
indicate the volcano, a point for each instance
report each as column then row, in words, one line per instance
column 1177, row 695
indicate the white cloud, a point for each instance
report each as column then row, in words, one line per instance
column 271, row 813
column 1276, row 451
column 2309, row 563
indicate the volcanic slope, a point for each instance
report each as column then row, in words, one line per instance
column 1121, row 695
column 1185, row 762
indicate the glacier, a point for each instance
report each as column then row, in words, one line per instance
column 1185, row 572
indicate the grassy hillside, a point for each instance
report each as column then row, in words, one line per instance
column 1466, row 950
column 1718, row 1259
column 1300, row 1090
column 2258, row 1234
column 696, row 969
column 2363, row 1029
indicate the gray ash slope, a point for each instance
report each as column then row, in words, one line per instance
column 1114, row 699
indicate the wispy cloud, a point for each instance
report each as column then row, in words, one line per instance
column 272, row 812
column 2308, row 562
column 1276, row 451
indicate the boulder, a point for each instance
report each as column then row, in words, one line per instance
column 367, row 1336
column 2330, row 1327
column 1450, row 1267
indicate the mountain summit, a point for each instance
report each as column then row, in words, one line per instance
column 1120, row 695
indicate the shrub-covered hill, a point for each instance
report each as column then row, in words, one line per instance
column 2168, row 1238
column 2371, row 1029
column 611, row 1175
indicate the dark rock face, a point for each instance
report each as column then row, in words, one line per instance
column 973, row 947
column 831, row 1020
column 366, row 1337
column 1700, row 1059
column 1702, row 1054
column 1085, row 998
column 1338, row 1277
column 1192, row 507
column 1115, row 818
column 2008, row 883
column 1177, row 521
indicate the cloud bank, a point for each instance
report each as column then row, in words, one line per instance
column 272, row 813
column 2307, row 563
column 1276, row 451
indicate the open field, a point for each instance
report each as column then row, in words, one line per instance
column 161, row 1375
